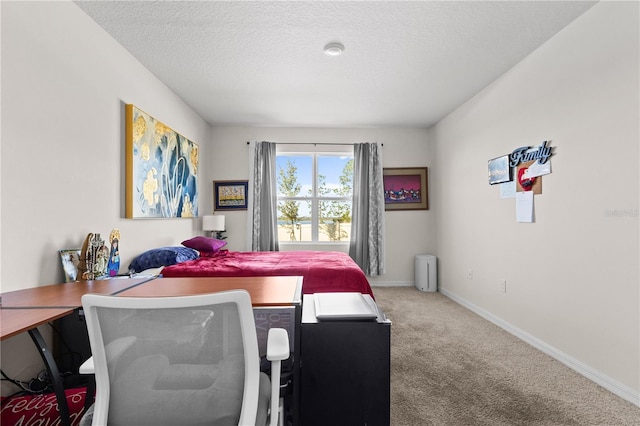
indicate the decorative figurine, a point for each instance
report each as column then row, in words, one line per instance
column 114, row 256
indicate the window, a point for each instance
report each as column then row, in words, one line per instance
column 314, row 196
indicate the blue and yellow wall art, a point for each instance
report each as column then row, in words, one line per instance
column 161, row 169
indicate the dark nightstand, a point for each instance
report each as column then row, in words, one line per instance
column 344, row 369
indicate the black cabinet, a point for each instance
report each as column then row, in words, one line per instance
column 344, row 370
column 71, row 343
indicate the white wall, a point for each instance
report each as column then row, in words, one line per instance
column 408, row 232
column 64, row 86
column 572, row 276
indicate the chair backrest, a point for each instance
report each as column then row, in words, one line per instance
column 174, row 360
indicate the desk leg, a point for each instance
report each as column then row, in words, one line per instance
column 54, row 375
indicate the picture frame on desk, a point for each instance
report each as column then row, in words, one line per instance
column 70, row 259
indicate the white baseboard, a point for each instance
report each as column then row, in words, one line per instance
column 590, row 373
column 391, row 284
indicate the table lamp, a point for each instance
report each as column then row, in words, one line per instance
column 214, row 224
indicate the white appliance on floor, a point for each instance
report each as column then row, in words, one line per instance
column 426, row 277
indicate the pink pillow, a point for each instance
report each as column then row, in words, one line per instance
column 204, row 244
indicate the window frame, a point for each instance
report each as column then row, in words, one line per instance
column 314, row 151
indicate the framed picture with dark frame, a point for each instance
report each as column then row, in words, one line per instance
column 499, row 170
column 405, row 188
column 230, row 194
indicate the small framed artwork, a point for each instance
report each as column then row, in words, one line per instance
column 230, row 194
column 499, row 170
column 70, row 259
column 405, row 188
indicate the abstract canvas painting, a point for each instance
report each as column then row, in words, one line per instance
column 161, row 169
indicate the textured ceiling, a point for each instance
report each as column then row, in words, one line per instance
column 261, row 63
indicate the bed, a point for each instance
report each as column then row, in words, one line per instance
column 322, row 271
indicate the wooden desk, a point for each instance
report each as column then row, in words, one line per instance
column 25, row 310
column 67, row 295
column 264, row 291
column 16, row 321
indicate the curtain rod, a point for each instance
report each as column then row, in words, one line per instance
column 313, row 143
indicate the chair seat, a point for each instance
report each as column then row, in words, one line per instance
column 163, row 415
column 152, row 392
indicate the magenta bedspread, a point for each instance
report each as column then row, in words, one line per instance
column 323, row 271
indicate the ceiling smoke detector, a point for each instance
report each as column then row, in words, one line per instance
column 334, row 49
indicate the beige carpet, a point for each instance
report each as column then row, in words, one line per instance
column 451, row 367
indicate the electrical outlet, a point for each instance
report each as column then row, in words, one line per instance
column 470, row 274
column 503, row 286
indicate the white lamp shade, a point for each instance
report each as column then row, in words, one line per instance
column 213, row 223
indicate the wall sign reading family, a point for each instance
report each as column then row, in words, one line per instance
column 530, row 162
column 525, row 153
column 519, row 175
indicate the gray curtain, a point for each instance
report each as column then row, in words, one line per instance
column 367, row 227
column 264, row 229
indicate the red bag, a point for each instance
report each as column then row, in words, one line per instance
column 41, row 410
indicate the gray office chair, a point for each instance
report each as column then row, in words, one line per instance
column 190, row 360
